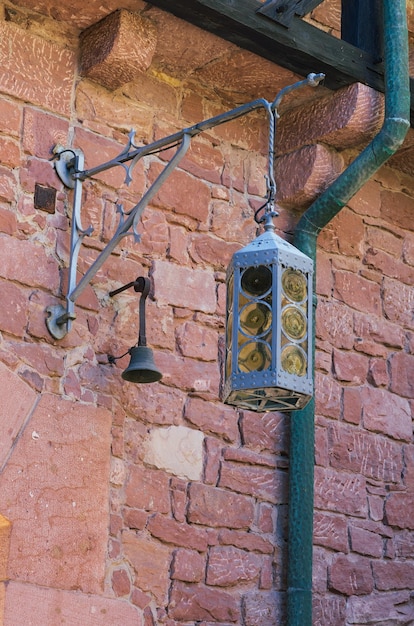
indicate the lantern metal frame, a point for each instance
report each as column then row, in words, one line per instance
column 69, row 165
column 268, row 385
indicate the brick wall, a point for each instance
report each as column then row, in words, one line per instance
column 157, row 504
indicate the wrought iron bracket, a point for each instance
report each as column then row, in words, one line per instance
column 69, row 165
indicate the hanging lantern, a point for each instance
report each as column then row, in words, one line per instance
column 268, row 364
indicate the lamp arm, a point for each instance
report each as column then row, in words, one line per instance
column 69, row 170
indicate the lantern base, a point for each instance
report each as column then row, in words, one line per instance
column 267, row 399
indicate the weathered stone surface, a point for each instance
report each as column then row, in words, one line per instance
column 329, row 610
column 170, row 531
column 366, row 542
column 264, row 608
column 184, row 287
column 118, row 48
column 196, row 603
column 5, row 531
column 398, row 510
column 42, row 271
column 16, row 408
column 219, row 507
column 151, row 562
column 360, row 452
column 350, row 367
column 402, row 374
column 398, row 302
column 260, row 482
column 197, row 341
column 386, row 413
column 228, row 566
column 176, row 449
column 245, row 541
column 394, row 575
column 305, row 174
column 265, row 432
column 340, row 492
column 380, row 609
column 58, row 475
column 215, row 418
column 34, row 69
column 25, row 603
column 331, row 531
column 351, row 575
column 148, row 489
column 188, row 566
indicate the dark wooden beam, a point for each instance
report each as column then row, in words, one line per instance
column 282, row 11
column 301, row 48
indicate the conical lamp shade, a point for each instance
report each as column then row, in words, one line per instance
column 141, row 368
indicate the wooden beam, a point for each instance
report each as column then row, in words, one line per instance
column 361, row 25
column 282, row 11
column 301, row 48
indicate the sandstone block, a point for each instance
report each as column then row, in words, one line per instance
column 393, row 575
column 184, row 287
column 216, row 418
column 41, row 270
column 331, row 531
column 229, row 566
column 219, row 507
column 398, row 302
column 379, row 608
column 36, row 70
column 264, row 608
column 402, row 374
column 366, row 542
column 386, row 413
column 24, row 603
column 42, row 132
column 188, row 566
column 262, row 483
column 63, row 455
column 121, row 583
column 351, row 575
column 398, row 510
column 5, row 531
column 245, row 541
column 118, row 48
column 151, row 562
column 170, row 531
column 305, row 174
column 340, row 492
column 196, row 603
column 176, row 449
column 13, row 312
column 350, row 367
column 147, row 489
column 358, row 292
column 197, row 341
column 264, row 432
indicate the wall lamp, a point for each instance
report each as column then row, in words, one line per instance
column 269, row 282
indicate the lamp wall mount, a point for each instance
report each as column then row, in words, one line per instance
column 69, row 165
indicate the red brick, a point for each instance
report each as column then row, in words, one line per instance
column 196, row 603
column 399, row 509
column 184, row 287
column 329, row 610
column 331, row 531
column 7, row 185
column 351, row 575
column 219, row 507
column 151, row 562
column 402, row 374
column 188, row 566
column 229, row 566
column 10, row 118
column 42, row 132
column 189, row 374
column 398, row 302
column 264, row 432
column 246, row 541
column 28, row 72
column 23, row 602
column 215, row 418
column 352, row 405
column 359, row 452
column 212, row 463
column 397, row 208
column 327, row 396
column 183, row 194
column 350, row 367
column 147, row 489
column 197, row 341
column 386, row 413
column 264, row 608
column 393, row 575
column 365, row 542
column 13, row 312
column 262, row 483
column 208, row 249
column 121, row 584
column 334, row 323
column 340, row 492
column 357, row 292
column 170, row 531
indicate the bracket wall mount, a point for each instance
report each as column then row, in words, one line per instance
column 69, row 165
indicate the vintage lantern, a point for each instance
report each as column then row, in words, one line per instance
column 268, row 362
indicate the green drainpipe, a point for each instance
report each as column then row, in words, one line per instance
column 383, row 146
